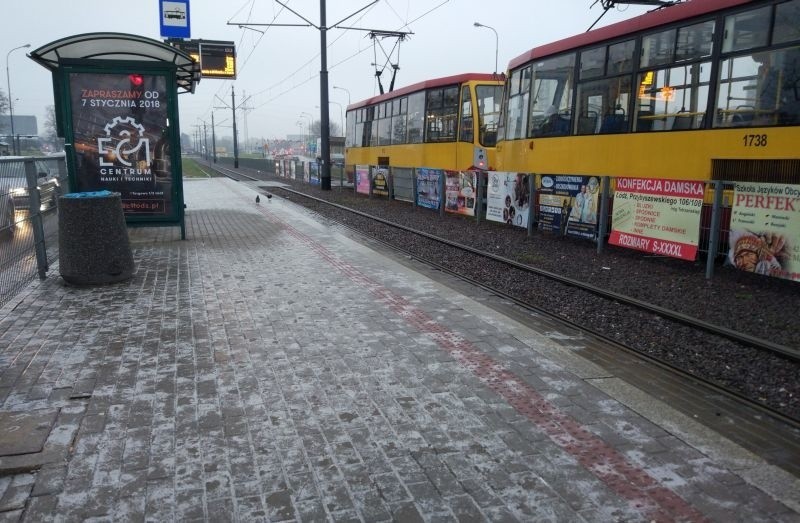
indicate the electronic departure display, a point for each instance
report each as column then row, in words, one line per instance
column 217, row 59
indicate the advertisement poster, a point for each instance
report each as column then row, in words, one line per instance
column 380, row 181
column 508, row 198
column 428, row 181
column 313, row 173
column 121, row 140
column 362, row 179
column 460, row 192
column 568, row 205
column 658, row 216
column 765, row 229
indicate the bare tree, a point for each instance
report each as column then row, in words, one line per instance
column 50, row 135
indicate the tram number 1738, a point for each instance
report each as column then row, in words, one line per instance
column 755, row 140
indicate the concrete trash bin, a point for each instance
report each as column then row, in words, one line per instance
column 93, row 239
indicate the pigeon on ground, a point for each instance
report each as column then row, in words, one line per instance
column 258, row 199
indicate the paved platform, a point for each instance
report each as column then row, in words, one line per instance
column 270, row 368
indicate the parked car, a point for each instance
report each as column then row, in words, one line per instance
column 13, row 183
column 8, row 223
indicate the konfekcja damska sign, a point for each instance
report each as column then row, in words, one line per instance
column 658, row 216
column 121, row 139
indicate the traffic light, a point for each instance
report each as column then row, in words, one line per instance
column 479, row 158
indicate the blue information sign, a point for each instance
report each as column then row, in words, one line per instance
column 174, row 15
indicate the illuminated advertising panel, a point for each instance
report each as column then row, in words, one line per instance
column 121, row 140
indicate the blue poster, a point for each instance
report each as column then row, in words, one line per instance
column 428, row 184
column 568, row 205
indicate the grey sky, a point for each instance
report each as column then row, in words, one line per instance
column 279, row 69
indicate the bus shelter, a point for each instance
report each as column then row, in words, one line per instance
column 117, row 110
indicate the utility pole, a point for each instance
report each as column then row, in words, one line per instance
column 324, row 110
column 205, row 140
column 325, row 176
column 213, row 138
column 235, row 141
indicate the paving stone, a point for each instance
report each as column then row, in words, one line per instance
column 267, row 368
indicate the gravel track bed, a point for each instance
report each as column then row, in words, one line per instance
column 760, row 306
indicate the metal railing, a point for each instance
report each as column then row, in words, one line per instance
column 29, row 191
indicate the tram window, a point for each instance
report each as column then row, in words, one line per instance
column 604, row 105
column 673, row 98
column 658, row 48
column 593, row 62
column 395, row 107
column 759, row 89
column 416, row 117
column 551, row 109
column 385, row 131
column 399, row 128
column 373, row 138
column 489, row 97
column 466, row 133
column 746, row 30
column 518, row 105
column 786, row 27
column 620, row 57
column 695, row 41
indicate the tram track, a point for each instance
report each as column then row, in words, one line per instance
column 646, row 316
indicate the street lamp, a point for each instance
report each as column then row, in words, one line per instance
column 496, row 42
column 10, row 99
column 345, row 90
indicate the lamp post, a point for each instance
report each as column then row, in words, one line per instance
column 496, row 42
column 10, row 99
column 345, row 90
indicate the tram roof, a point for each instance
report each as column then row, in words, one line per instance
column 683, row 11
column 428, row 84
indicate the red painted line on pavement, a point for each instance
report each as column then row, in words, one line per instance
column 643, row 492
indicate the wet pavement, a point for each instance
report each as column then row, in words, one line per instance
column 271, row 368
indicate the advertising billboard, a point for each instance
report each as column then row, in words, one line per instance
column 121, row 138
column 568, row 205
column 460, row 192
column 428, row 181
column 765, row 229
column 508, row 198
column 658, row 216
